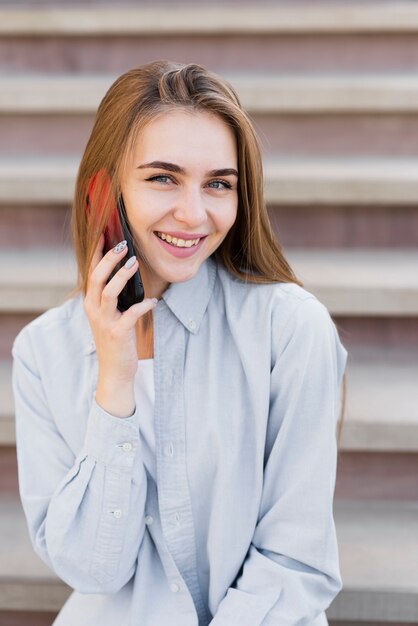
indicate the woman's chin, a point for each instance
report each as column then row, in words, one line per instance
column 181, row 274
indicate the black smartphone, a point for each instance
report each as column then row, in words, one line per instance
column 116, row 231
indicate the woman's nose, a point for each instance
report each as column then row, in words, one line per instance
column 190, row 208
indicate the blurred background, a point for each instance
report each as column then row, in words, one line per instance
column 333, row 92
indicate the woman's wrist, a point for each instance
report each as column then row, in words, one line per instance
column 118, row 398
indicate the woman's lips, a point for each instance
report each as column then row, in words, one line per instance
column 180, row 252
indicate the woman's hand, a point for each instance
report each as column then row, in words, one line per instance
column 114, row 332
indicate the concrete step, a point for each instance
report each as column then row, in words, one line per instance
column 322, row 18
column 361, row 475
column 381, row 410
column 328, row 181
column 353, row 282
column 259, row 93
column 309, row 227
column 37, row 280
column 303, row 135
column 382, row 400
column 295, row 52
column 297, row 181
column 43, row 618
column 7, row 425
column 295, row 115
column 360, row 282
column 378, row 555
column 370, row 535
column 294, row 36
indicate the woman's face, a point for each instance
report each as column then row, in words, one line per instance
column 181, row 186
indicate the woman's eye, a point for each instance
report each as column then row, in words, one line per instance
column 165, row 180
column 220, row 184
column 161, row 178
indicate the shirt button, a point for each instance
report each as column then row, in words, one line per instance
column 127, row 447
column 192, row 325
column 174, row 587
column 149, row 519
column 169, row 449
column 117, row 513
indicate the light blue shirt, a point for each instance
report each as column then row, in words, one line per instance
column 238, row 529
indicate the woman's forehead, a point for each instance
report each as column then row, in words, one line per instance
column 183, row 136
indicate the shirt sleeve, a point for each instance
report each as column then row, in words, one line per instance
column 291, row 572
column 85, row 513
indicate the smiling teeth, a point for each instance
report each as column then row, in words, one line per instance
column 179, row 243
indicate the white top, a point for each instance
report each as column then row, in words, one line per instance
column 145, row 399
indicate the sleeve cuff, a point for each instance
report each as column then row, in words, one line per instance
column 109, row 439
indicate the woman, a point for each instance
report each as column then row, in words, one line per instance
column 185, row 453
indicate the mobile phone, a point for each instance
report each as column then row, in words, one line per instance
column 117, row 230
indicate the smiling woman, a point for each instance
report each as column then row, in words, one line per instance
column 190, row 203
column 185, row 457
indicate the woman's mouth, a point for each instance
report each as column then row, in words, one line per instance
column 178, row 247
column 179, row 243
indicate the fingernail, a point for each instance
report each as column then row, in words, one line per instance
column 121, row 246
column 154, row 300
column 130, row 262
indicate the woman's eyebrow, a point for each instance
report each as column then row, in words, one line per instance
column 172, row 167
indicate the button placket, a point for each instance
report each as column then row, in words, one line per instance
column 174, row 494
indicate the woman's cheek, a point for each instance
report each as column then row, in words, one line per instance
column 160, row 200
column 151, row 207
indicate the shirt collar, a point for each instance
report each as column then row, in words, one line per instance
column 188, row 301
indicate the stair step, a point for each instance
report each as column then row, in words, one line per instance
column 359, row 281
column 381, row 410
column 361, row 475
column 297, row 181
column 308, row 227
column 341, row 180
column 36, row 280
column 348, row 281
column 7, row 424
column 46, row 618
column 382, row 400
column 323, row 18
column 371, row 535
column 378, row 555
column 259, row 93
